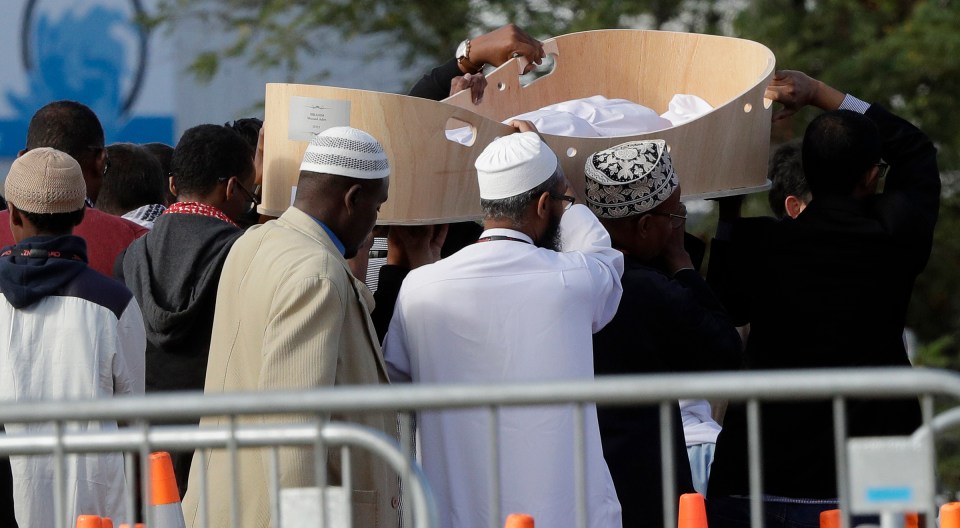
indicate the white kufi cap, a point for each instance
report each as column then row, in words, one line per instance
column 514, row 164
column 346, row 151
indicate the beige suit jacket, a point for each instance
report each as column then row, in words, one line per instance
column 290, row 315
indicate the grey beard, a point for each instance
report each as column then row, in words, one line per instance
column 551, row 237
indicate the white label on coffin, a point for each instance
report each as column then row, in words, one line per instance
column 309, row 116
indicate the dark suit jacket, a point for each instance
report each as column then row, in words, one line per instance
column 829, row 289
column 663, row 324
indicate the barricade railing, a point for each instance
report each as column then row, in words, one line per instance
column 836, row 385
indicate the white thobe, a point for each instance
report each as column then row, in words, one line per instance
column 508, row 311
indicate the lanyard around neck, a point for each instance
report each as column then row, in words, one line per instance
column 494, row 238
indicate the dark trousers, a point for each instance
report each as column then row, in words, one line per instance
column 734, row 512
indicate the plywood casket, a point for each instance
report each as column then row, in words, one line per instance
column 432, row 178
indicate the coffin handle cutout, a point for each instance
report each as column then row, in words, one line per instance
column 460, row 132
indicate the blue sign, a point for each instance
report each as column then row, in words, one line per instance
column 94, row 52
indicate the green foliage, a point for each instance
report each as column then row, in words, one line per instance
column 935, row 308
column 904, row 54
column 278, row 33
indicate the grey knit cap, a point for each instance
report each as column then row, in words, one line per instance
column 45, row 180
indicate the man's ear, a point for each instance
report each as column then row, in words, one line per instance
column 543, row 205
column 870, row 180
column 16, row 223
column 173, row 186
column 16, row 219
column 793, row 206
column 642, row 225
column 351, row 198
column 231, row 188
column 100, row 161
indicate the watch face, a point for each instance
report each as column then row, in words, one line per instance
column 462, row 49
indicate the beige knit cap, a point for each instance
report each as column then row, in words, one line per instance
column 45, row 180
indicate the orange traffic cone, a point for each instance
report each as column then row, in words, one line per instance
column 106, row 522
column 138, row 525
column 164, row 495
column 519, row 520
column 950, row 515
column 830, row 519
column 911, row 520
column 693, row 511
column 88, row 521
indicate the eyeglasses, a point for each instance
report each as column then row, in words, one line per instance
column 883, row 168
column 254, row 199
column 676, row 219
column 564, row 198
column 250, row 194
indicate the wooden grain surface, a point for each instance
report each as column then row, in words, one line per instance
column 433, row 179
column 723, row 152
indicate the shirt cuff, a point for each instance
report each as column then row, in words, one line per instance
column 853, row 104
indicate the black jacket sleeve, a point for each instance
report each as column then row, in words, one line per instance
column 388, row 288
column 910, row 202
column 436, row 84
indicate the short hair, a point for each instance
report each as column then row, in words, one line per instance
column 133, row 180
column 59, row 223
column 513, row 207
column 67, row 126
column 163, row 153
column 248, row 128
column 839, row 147
column 786, row 177
column 206, row 155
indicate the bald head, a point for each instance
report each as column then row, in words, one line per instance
column 71, row 127
column 67, row 126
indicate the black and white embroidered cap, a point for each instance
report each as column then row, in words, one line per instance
column 629, row 179
column 346, row 151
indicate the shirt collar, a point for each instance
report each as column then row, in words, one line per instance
column 499, row 231
column 333, row 237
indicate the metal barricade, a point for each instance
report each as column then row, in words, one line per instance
column 837, row 385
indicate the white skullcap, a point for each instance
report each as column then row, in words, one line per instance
column 514, row 164
column 346, row 151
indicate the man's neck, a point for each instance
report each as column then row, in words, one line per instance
column 497, row 223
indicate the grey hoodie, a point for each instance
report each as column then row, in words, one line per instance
column 173, row 271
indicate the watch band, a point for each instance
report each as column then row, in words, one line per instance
column 464, row 60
